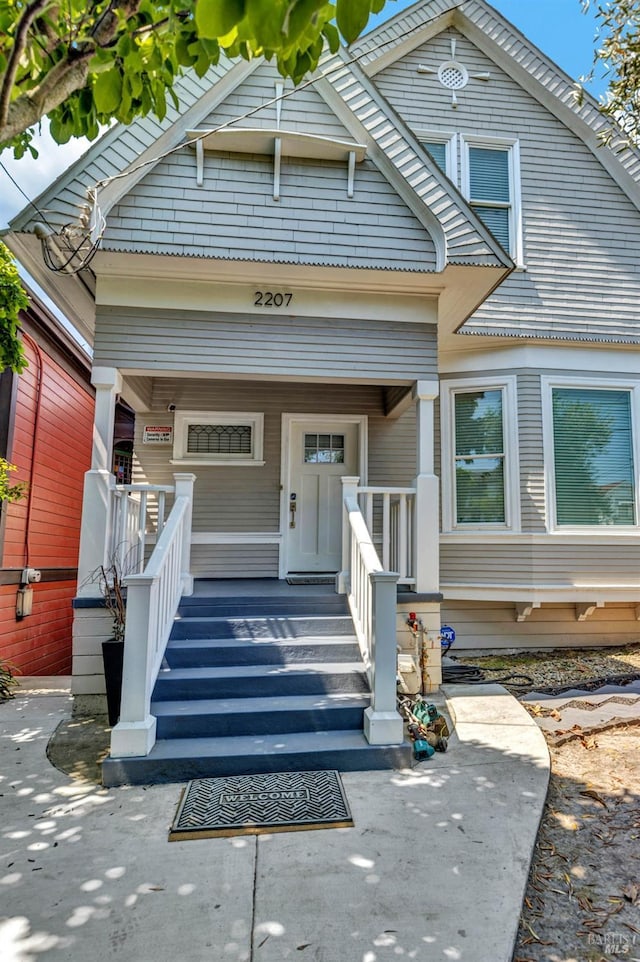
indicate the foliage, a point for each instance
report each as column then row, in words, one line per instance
column 110, row 582
column 7, row 681
column 10, row 492
column 13, row 299
column 619, row 50
column 85, row 64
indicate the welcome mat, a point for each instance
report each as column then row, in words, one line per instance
column 311, row 580
column 256, row 804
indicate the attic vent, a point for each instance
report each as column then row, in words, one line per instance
column 453, row 75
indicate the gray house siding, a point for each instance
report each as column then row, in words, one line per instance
column 246, row 500
column 577, row 222
column 491, row 625
column 234, row 216
column 197, row 342
column 302, row 110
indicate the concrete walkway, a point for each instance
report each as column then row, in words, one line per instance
column 434, row 869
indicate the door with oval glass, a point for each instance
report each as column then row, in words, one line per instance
column 320, row 454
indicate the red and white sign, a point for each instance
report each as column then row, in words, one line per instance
column 157, row 434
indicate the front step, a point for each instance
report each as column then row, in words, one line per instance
column 253, row 685
column 250, row 716
column 245, row 681
column 178, row 760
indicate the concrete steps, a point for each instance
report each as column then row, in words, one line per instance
column 253, row 684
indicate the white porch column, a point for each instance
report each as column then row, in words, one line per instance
column 184, row 488
column 349, row 490
column 426, row 559
column 98, row 482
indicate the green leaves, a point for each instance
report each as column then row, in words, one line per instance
column 107, row 91
column 93, row 63
column 13, row 299
column 352, row 17
column 217, row 18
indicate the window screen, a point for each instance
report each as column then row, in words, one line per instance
column 490, row 190
column 479, row 457
column 439, row 154
column 593, row 457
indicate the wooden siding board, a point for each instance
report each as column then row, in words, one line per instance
column 492, row 625
column 243, row 344
column 565, row 565
column 581, row 232
column 313, row 222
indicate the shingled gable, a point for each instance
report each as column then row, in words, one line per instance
column 459, row 236
column 519, row 58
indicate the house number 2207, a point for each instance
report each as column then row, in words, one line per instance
column 272, row 299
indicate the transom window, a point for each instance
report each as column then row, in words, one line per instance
column 218, row 437
column 593, row 457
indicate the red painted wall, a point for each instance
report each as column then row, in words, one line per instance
column 51, row 445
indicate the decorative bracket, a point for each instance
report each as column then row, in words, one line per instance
column 523, row 609
column 584, row 609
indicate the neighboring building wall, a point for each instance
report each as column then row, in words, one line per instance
column 49, row 439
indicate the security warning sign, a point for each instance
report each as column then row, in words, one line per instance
column 157, row 434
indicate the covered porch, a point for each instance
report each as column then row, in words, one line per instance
column 159, row 529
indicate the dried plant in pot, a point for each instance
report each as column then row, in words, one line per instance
column 109, row 581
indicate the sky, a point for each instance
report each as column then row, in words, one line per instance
column 557, row 27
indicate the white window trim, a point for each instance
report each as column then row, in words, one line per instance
column 511, row 145
column 450, row 141
column 508, row 386
column 547, row 383
column 182, row 420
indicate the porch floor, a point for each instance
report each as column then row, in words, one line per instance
column 258, row 588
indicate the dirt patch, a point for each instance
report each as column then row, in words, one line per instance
column 78, row 747
column 583, row 898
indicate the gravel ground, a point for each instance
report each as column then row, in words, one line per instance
column 568, row 668
column 583, row 897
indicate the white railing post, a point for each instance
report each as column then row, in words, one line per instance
column 349, row 492
column 382, row 723
column 426, row 529
column 184, row 488
column 135, row 733
column 152, row 601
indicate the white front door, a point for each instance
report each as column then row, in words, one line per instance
column 320, row 453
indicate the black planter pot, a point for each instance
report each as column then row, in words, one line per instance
column 112, row 657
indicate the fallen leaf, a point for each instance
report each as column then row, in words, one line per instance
column 304, row 945
column 631, row 892
column 589, row 793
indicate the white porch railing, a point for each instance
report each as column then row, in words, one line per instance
column 389, row 516
column 152, row 601
column 137, row 510
column 372, row 599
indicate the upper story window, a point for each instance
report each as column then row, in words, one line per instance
column 479, row 462
column 489, row 178
column 591, row 454
column 218, row 437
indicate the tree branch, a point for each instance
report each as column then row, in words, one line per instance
column 18, row 49
column 67, row 76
